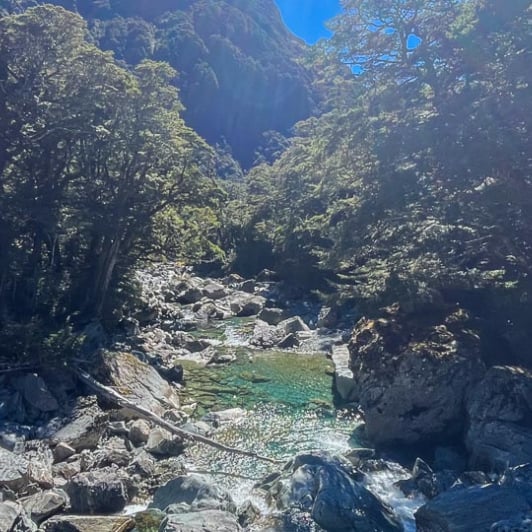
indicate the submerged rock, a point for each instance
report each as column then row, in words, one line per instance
column 412, row 379
column 500, row 419
column 327, row 488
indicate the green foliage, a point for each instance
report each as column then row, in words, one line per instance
column 90, row 156
column 416, row 187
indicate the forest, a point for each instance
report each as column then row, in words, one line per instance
column 224, row 251
column 408, row 179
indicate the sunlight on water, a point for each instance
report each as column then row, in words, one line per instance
column 286, row 402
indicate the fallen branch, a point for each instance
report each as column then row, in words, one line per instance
column 120, row 400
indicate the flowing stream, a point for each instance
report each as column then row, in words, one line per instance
column 287, row 408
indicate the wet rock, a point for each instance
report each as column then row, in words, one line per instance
column 431, row 483
column 74, row 523
column 97, row 492
column 326, row 486
column 271, row 316
column 192, row 494
column 139, row 432
column 63, row 451
column 500, row 413
column 85, row 427
column 163, row 443
column 44, row 504
column 36, row 393
column 473, row 509
column 13, row 471
column 138, row 382
column 209, row 520
column 412, row 379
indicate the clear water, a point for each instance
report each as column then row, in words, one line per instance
column 286, row 397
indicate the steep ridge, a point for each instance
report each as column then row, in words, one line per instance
column 240, row 70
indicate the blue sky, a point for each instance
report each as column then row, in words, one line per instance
column 306, row 17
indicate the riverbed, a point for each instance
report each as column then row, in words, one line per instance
column 286, row 403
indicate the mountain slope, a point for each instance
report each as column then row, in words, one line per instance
column 240, row 71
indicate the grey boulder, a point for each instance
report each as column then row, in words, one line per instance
column 328, row 489
column 206, row 521
column 97, row 492
column 500, row 412
column 192, row 494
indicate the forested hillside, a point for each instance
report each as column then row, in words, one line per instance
column 239, row 70
column 416, row 188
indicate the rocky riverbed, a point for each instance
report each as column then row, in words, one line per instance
column 241, row 362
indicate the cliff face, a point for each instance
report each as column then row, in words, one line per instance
column 240, row 71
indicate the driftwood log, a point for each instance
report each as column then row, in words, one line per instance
column 117, row 398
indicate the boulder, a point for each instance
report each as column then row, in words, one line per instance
column 14, row 519
column 473, row 509
column 40, row 459
column 499, row 409
column 139, row 432
column 242, row 304
column 192, row 494
column 97, row 492
column 189, row 295
column 62, row 452
column 214, row 291
column 74, row 523
column 272, row 316
column 289, row 341
column 163, row 443
column 36, row 393
column 85, row 427
column 265, row 335
column 412, row 377
column 13, row 471
column 292, row 325
column 518, row 523
column 328, row 489
column 138, row 382
column 206, row 521
column 44, row 504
